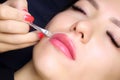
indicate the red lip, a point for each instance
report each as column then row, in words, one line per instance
column 64, row 44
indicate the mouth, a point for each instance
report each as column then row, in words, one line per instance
column 64, row 44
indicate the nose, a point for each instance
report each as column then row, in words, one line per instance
column 83, row 29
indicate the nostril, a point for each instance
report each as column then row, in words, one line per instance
column 82, row 35
column 83, row 29
column 74, row 28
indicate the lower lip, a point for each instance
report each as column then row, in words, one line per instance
column 59, row 45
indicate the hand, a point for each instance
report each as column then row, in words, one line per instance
column 14, row 32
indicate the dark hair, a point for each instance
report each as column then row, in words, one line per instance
column 1, row 1
column 69, row 3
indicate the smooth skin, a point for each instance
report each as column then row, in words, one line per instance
column 14, row 30
column 92, row 31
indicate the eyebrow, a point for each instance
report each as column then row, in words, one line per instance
column 115, row 21
column 94, row 3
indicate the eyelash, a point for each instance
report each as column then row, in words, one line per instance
column 112, row 39
column 79, row 9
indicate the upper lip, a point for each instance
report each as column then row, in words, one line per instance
column 67, row 42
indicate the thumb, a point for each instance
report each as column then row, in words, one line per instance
column 18, row 4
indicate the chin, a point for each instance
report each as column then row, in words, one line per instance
column 45, row 61
column 48, row 61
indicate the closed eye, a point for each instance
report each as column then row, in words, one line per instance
column 74, row 7
column 112, row 39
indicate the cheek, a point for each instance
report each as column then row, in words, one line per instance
column 43, row 57
column 97, row 58
column 106, row 61
column 61, row 22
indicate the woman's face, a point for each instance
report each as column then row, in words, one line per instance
column 85, row 43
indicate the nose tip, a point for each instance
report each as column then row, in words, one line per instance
column 83, row 29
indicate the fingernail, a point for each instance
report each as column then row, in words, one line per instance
column 40, row 35
column 29, row 18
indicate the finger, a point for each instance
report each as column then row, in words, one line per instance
column 9, row 13
column 10, row 26
column 7, row 47
column 19, row 4
column 19, row 38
